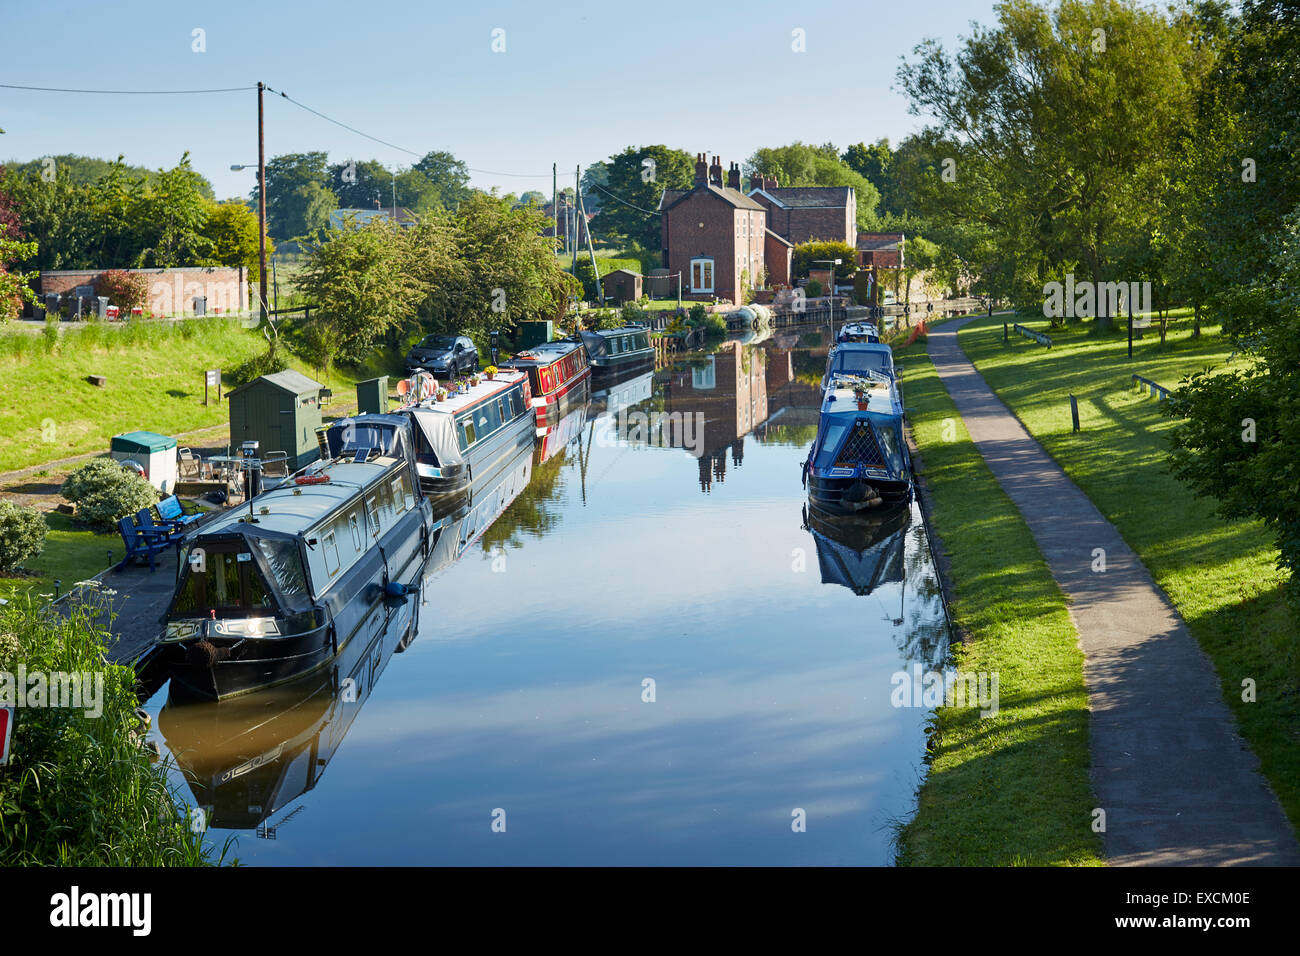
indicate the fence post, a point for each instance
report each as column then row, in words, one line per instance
column 1074, row 412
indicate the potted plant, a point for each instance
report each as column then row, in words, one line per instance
column 442, row 394
column 490, row 372
column 861, row 395
column 474, row 379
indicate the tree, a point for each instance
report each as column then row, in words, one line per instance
column 231, row 228
column 172, row 213
column 533, row 197
column 15, row 287
column 807, row 253
column 360, row 185
column 873, row 164
column 297, row 189
column 22, row 534
column 1069, row 134
column 802, row 165
column 447, row 176
column 1237, row 436
column 359, row 284
column 631, row 193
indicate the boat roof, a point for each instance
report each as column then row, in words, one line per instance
column 543, row 354
column 504, row 379
column 293, row 508
column 866, row 347
column 623, row 329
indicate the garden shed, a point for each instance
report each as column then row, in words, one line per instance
column 281, row 412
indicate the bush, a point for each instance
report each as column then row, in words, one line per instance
column 715, row 324
column 633, row 314
column 22, row 534
column 126, row 290
column 104, row 491
column 697, row 313
column 812, row 289
column 268, row 363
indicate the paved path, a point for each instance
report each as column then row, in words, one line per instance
column 1177, row 782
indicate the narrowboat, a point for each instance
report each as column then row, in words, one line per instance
column 615, row 352
column 617, row 397
column 466, row 519
column 859, row 332
column 559, row 375
column 555, row 438
column 859, row 459
column 860, row 552
column 275, row 589
column 469, row 434
column 246, row 760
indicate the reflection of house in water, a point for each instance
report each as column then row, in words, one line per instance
column 728, row 393
column 790, row 402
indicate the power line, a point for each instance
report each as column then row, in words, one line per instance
column 402, row 149
column 648, row 212
column 59, row 89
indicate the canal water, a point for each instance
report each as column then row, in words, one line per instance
column 636, row 647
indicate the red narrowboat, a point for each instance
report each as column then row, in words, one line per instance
column 560, row 377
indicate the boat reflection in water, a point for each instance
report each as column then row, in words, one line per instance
column 861, row 552
column 247, row 758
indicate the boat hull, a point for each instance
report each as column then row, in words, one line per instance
column 217, row 667
column 855, row 495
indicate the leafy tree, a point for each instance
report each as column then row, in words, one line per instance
column 360, row 185
column 359, row 284
column 297, row 188
column 1238, row 432
column 126, row 290
column 10, row 221
column 447, row 176
column 104, row 491
column 15, row 287
column 534, row 197
column 631, row 216
column 1059, row 140
column 873, row 163
column 172, row 213
column 231, row 228
column 806, row 253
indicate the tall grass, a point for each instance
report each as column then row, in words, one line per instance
column 58, row 339
column 81, row 791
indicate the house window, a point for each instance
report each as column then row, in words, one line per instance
column 701, row 275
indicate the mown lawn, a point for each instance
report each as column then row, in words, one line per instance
column 1221, row 575
column 71, row 554
column 1010, row 789
column 48, row 409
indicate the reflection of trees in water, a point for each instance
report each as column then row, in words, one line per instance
column 531, row 513
column 924, row 635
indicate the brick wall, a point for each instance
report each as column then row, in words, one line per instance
column 171, row 291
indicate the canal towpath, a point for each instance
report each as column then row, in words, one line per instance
column 1178, row 784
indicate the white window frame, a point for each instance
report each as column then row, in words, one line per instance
column 700, row 287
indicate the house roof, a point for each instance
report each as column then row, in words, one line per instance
column 780, row 239
column 797, row 197
column 734, row 197
column 878, row 241
column 614, row 272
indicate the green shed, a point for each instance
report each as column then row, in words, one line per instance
column 535, row 332
column 281, row 412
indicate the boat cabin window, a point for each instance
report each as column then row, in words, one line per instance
column 285, row 562
column 330, row 546
column 221, row 578
column 851, row 361
column 516, row 402
column 347, row 438
column 354, row 523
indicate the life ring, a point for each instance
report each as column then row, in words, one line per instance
column 312, row 480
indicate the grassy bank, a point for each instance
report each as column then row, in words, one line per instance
column 1221, row 576
column 80, row 791
column 1013, row 788
column 71, row 554
column 154, row 381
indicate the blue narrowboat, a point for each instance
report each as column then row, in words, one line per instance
column 859, row 459
column 859, row 332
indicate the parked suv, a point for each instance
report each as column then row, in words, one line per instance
column 448, row 355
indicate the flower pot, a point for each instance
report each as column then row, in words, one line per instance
column 862, row 406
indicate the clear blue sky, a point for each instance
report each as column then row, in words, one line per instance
column 576, row 82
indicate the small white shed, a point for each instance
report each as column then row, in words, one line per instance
column 154, row 454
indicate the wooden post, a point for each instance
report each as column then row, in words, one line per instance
column 1074, row 412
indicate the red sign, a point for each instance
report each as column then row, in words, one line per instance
column 6, row 731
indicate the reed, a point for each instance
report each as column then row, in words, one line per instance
column 80, row 790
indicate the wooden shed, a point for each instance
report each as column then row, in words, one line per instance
column 281, row 412
column 621, row 285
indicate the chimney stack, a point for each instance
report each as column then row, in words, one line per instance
column 715, row 171
column 733, row 177
column 701, row 170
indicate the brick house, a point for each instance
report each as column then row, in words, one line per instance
column 714, row 234
column 880, row 250
column 805, row 213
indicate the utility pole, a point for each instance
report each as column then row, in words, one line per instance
column 577, row 178
column 261, row 204
column 555, row 207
